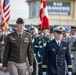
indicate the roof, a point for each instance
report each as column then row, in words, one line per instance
column 35, row 21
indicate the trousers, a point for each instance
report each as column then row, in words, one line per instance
column 17, row 68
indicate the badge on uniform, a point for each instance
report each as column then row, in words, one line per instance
column 53, row 49
column 26, row 40
column 64, row 47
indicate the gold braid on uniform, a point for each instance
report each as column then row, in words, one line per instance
column 44, row 66
column 69, row 66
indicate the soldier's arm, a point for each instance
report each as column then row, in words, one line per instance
column 6, row 51
column 45, row 57
column 30, row 52
column 68, row 59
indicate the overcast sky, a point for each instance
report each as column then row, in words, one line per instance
column 19, row 8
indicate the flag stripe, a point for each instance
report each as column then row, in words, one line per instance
column 5, row 14
column 6, row 8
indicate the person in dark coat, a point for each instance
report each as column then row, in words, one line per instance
column 55, row 54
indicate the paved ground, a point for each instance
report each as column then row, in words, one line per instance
column 2, row 73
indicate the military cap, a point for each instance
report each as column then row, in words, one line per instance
column 73, row 28
column 39, row 29
column 59, row 29
column 32, row 28
column 67, row 29
column 20, row 21
column 46, row 28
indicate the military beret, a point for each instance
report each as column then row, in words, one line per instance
column 32, row 28
column 59, row 29
column 20, row 21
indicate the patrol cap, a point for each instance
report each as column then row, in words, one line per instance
column 59, row 29
column 20, row 21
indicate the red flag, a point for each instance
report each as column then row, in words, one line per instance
column 44, row 21
column 5, row 15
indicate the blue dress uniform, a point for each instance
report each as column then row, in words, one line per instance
column 54, row 58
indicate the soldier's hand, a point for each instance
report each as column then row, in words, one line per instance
column 31, row 69
column 69, row 73
column 43, row 73
column 4, row 69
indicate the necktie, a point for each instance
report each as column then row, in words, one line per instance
column 20, row 37
column 58, row 44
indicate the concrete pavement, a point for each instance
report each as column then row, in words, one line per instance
column 7, row 73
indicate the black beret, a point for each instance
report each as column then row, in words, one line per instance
column 20, row 21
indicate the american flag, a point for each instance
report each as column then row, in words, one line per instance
column 5, row 15
column 44, row 21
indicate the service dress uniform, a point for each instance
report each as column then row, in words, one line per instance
column 55, row 56
column 17, row 49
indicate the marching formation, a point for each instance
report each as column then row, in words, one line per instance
column 40, row 51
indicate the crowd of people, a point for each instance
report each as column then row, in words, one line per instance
column 38, row 50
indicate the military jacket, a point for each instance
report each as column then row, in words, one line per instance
column 17, row 49
column 54, row 58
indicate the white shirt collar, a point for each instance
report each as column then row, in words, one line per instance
column 58, row 41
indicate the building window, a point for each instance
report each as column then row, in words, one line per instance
column 34, row 10
column 59, row 8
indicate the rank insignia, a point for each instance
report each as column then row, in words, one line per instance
column 26, row 40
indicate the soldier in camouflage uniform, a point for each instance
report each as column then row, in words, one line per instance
column 73, row 48
column 70, row 39
column 67, row 38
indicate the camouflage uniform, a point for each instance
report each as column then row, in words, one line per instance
column 73, row 54
column 70, row 40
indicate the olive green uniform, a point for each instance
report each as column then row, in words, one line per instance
column 18, row 49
